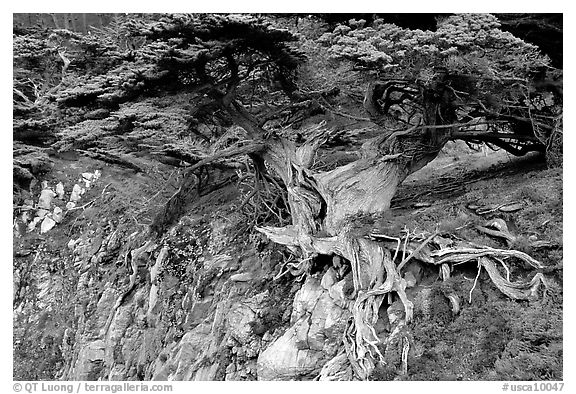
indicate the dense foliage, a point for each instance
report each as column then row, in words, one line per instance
column 487, row 74
column 245, row 99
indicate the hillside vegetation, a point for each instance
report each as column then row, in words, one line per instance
column 287, row 197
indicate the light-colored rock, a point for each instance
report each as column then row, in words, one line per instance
column 70, row 205
column 334, row 319
column 339, row 291
column 305, row 298
column 267, row 337
column 77, row 192
column 338, row 369
column 396, row 312
column 117, row 373
column 198, row 311
column 71, row 244
column 45, row 200
column 302, row 328
column 415, row 268
column 153, row 306
column 242, row 277
column 231, row 368
column 187, row 301
column 41, row 213
column 90, row 361
column 239, row 322
column 327, row 322
column 282, row 360
column 232, row 377
column 47, row 224
column 329, row 278
column 88, row 176
column 183, row 361
column 119, row 331
column 410, row 279
column 57, row 214
column 314, row 337
column 207, row 373
column 60, row 190
column 158, row 264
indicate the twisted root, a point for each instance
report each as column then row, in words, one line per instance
column 376, row 276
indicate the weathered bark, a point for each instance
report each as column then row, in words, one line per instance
column 326, row 207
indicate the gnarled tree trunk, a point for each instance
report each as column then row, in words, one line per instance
column 328, row 209
column 325, row 207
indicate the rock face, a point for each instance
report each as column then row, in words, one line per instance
column 172, row 310
column 200, row 302
column 90, row 361
column 181, row 309
column 315, row 335
column 170, row 328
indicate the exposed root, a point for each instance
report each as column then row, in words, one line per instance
column 367, row 260
column 465, row 254
column 505, row 267
column 454, row 302
column 398, row 240
column 376, row 277
column 350, row 346
column 515, row 290
column 475, row 282
column 405, row 244
column 498, row 228
column 445, row 272
column 324, row 208
column 405, row 350
column 418, row 249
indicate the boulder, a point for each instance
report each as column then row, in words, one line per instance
column 47, row 224
column 243, row 277
column 45, row 200
column 315, row 336
column 77, row 192
column 239, row 322
column 329, row 278
column 305, row 298
column 284, row 361
column 410, row 279
column 60, row 190
column 57, row 214
column 302, row 328
column 340, row 291
column 90, row 361
column 41, row 213
column 338, row 369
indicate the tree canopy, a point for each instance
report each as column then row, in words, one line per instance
column 490, row 79
column 204, row 92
